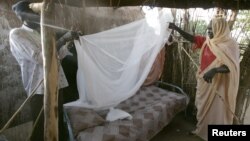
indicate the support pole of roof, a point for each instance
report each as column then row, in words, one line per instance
column 232, row 18
column 50, row 72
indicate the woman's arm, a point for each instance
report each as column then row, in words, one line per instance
column 184, row 34
column 208, row 76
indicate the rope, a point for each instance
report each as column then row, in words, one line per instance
column 35, row 123
column 236, row 118
column 216, row 92
column 19, row 109
column 181, row 61
column 189, row 56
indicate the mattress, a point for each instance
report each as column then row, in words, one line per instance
column 152, row 109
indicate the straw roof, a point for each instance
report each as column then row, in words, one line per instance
column 225, row 4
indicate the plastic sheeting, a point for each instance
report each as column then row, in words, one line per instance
column 112, row 65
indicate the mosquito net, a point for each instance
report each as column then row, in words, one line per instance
column 112, row 65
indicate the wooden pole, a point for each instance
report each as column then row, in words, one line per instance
column 50, row 72
column 244, row 86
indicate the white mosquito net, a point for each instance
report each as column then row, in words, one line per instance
column 112, row 65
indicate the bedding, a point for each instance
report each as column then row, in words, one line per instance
column 152, row 108
column 82, row 118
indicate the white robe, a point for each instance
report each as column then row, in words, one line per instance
column 216, row 102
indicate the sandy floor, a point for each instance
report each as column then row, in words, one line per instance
column 247, row 117
column 17, row 133
column 178, row 130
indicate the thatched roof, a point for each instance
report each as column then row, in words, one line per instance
column 225, row 4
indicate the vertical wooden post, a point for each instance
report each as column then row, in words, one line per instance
column 232, row 18
column 241, row 104
column 50, row 72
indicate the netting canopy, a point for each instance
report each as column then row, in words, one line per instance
column 112, row 65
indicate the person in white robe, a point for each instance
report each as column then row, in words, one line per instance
column 26, row 47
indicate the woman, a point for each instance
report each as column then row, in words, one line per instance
column 217, row 77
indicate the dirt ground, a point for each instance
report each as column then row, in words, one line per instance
column 178, row 130
column 247, row 117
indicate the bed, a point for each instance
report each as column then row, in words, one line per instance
column 152, row 108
